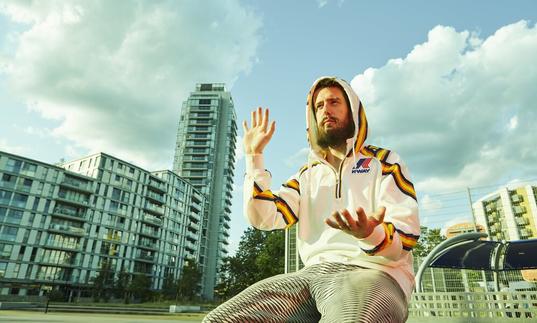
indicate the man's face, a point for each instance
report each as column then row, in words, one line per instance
column 333, row 117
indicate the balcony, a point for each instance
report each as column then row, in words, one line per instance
column 145, row 257
column 157, row 185
column 72, row 200
column 85, row 187
column 152, row 219
column 521, row 221
column 62, row 245
column 66, row 229
column 148, row 232
column 147, row 245
column 518, row 209
column 153, row 208
column 68, row 214
column 155, row 197
column 112, row 237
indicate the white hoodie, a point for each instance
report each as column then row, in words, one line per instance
column 369, row 177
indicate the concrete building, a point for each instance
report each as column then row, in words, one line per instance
column 509, row 213
column 60, row 223
column 205, row 155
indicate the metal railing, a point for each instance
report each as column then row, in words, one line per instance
column 473, row 307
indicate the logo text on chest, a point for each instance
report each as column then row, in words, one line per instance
column 362, row 166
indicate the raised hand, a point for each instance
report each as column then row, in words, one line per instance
column 257, row 137
column 361, row 227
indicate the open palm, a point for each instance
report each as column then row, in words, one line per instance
column 257, row 137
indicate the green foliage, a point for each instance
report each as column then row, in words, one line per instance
column 169, row 287
column 260, row 255
column 140, row 288
column 121, row 284
column 429, row 239
column 188, row 285
column 102, row 282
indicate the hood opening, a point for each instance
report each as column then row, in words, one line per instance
column 357, row 114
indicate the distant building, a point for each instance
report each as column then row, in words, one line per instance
column 465, row 227
column 205, row 156
column 509, row 213
column 58, row 225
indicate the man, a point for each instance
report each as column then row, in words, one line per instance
column 357, row 219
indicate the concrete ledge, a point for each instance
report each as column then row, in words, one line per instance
column 17, row 305
column 184, row 309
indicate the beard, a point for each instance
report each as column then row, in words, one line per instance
column 335, row 137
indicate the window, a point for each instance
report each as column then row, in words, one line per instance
column 5, row 196
column 8, row 233
column 3, row 266
column 19, row 200
column 29, row 169
column 5, row 250
column 14, row 216
column 13, row 165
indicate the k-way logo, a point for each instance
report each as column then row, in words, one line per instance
column 362, row 166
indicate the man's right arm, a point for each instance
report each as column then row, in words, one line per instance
column 263, row 208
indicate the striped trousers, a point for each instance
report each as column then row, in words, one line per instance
column 326, row 292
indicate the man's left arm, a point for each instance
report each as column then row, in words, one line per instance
column 393, row 229
column 399, row 231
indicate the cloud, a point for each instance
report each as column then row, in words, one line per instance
column 114, row 74
column 298, row 159
column 12, row 149
column 459, row 109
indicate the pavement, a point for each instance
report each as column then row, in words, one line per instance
column 55, row 317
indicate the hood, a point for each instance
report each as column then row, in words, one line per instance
column 355, row 143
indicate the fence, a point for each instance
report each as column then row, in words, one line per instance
column 473, row 307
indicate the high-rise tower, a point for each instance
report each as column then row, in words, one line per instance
column 205, row 155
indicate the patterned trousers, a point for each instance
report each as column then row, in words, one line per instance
column 326, row 292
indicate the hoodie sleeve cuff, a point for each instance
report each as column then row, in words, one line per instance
column 254, row 163
column 373, row 240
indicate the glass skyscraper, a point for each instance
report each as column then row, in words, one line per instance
column 205, row 156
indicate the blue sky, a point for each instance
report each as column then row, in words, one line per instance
column 450, row 86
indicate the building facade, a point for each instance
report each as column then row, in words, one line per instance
column 205, row 155
column 509, row 213
column 59, row 224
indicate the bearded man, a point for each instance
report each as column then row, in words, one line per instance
column 356, row 215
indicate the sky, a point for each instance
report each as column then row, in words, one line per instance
column 450, row 86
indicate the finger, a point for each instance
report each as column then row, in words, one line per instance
column 264, row 122
column 342, row 224
column 245, row 126
column 362, row 218
column 271, row 129
column 254, row 121
column 259, row 116
column 332, row 224
column 349, row 220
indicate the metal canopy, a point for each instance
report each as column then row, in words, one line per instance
column 520, row 255
column 466, row 251
column 473, row 255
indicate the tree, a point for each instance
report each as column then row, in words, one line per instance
column 260, row 255
column 140, row 287
column 188, row 285
column 169, row 287
column 103, row 281
column 121, row 285
column 429, row 239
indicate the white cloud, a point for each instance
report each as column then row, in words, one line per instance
column 114, row 74
column 298, row 159
column 322, row 3
column 513, row 123
column 12, row 149
column 445, row 106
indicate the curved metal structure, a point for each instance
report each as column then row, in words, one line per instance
column 442, row 248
